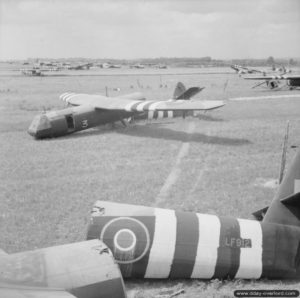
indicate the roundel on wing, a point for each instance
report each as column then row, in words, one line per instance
column 128, row 239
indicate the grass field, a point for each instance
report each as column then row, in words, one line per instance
column 221, row 160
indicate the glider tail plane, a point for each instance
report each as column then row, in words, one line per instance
column 285, row 207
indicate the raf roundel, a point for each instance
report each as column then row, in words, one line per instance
column 125, row 240
column 128, row 238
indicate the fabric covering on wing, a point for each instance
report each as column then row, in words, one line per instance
column 116, row 103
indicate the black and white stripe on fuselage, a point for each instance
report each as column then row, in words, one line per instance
column 172, row 244
column 160, row 114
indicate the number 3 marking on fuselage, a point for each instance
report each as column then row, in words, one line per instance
column 84, row 123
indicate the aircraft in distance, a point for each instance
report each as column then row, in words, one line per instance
column 109, row 65
column 273, row 82
column 138, row 66
column 92, row 110
column 243, row 69
column 160, row 243
column 161, row 66
column 35, row 72
column 81, row 66
column 83, row 269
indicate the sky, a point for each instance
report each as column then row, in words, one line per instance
column 132, row 29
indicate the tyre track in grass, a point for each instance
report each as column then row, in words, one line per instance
column 176, row 169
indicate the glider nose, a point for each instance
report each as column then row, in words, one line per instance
column 40, row 127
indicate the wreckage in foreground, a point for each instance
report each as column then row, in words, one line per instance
column 159, row 243
column 83, row 270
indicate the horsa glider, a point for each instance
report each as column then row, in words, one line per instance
column 273, row 82
column 84, row 270
column 92, row 110
column 160, row 243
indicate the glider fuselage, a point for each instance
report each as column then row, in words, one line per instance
column 90, row 110
column 159, row 243
column 73, row 119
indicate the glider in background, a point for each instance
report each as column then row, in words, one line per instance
column 84, row 66
column 83, row 269
column 273, row 82
column 34, row 72
column 160, row 243
column 92, row 110
column 243, row 69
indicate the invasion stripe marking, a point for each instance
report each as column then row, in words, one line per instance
column 149, row 103
column 67, row 95
column 153, row 106
column 135, row 106
column 163, row 246
column 62, row 95
column 131, row 104
column 186, row 245
column 150, row 114
column 228, row 256
column 70, row 96
column 251, row 257
column 66, row 98
column 160, row 114
column 141, row 106
column 207, row 250
column 170, row 114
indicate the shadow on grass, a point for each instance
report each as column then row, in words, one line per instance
column 205, row 117
column 169, row 134
column 159, row 132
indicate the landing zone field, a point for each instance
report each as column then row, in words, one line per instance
column 221, row 162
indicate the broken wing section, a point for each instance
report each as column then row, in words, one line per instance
column 84, row 269
column 9, row 291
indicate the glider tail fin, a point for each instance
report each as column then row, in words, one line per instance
column 285, row 207
column 181, row 92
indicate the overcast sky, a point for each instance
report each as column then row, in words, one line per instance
column 222, row 29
